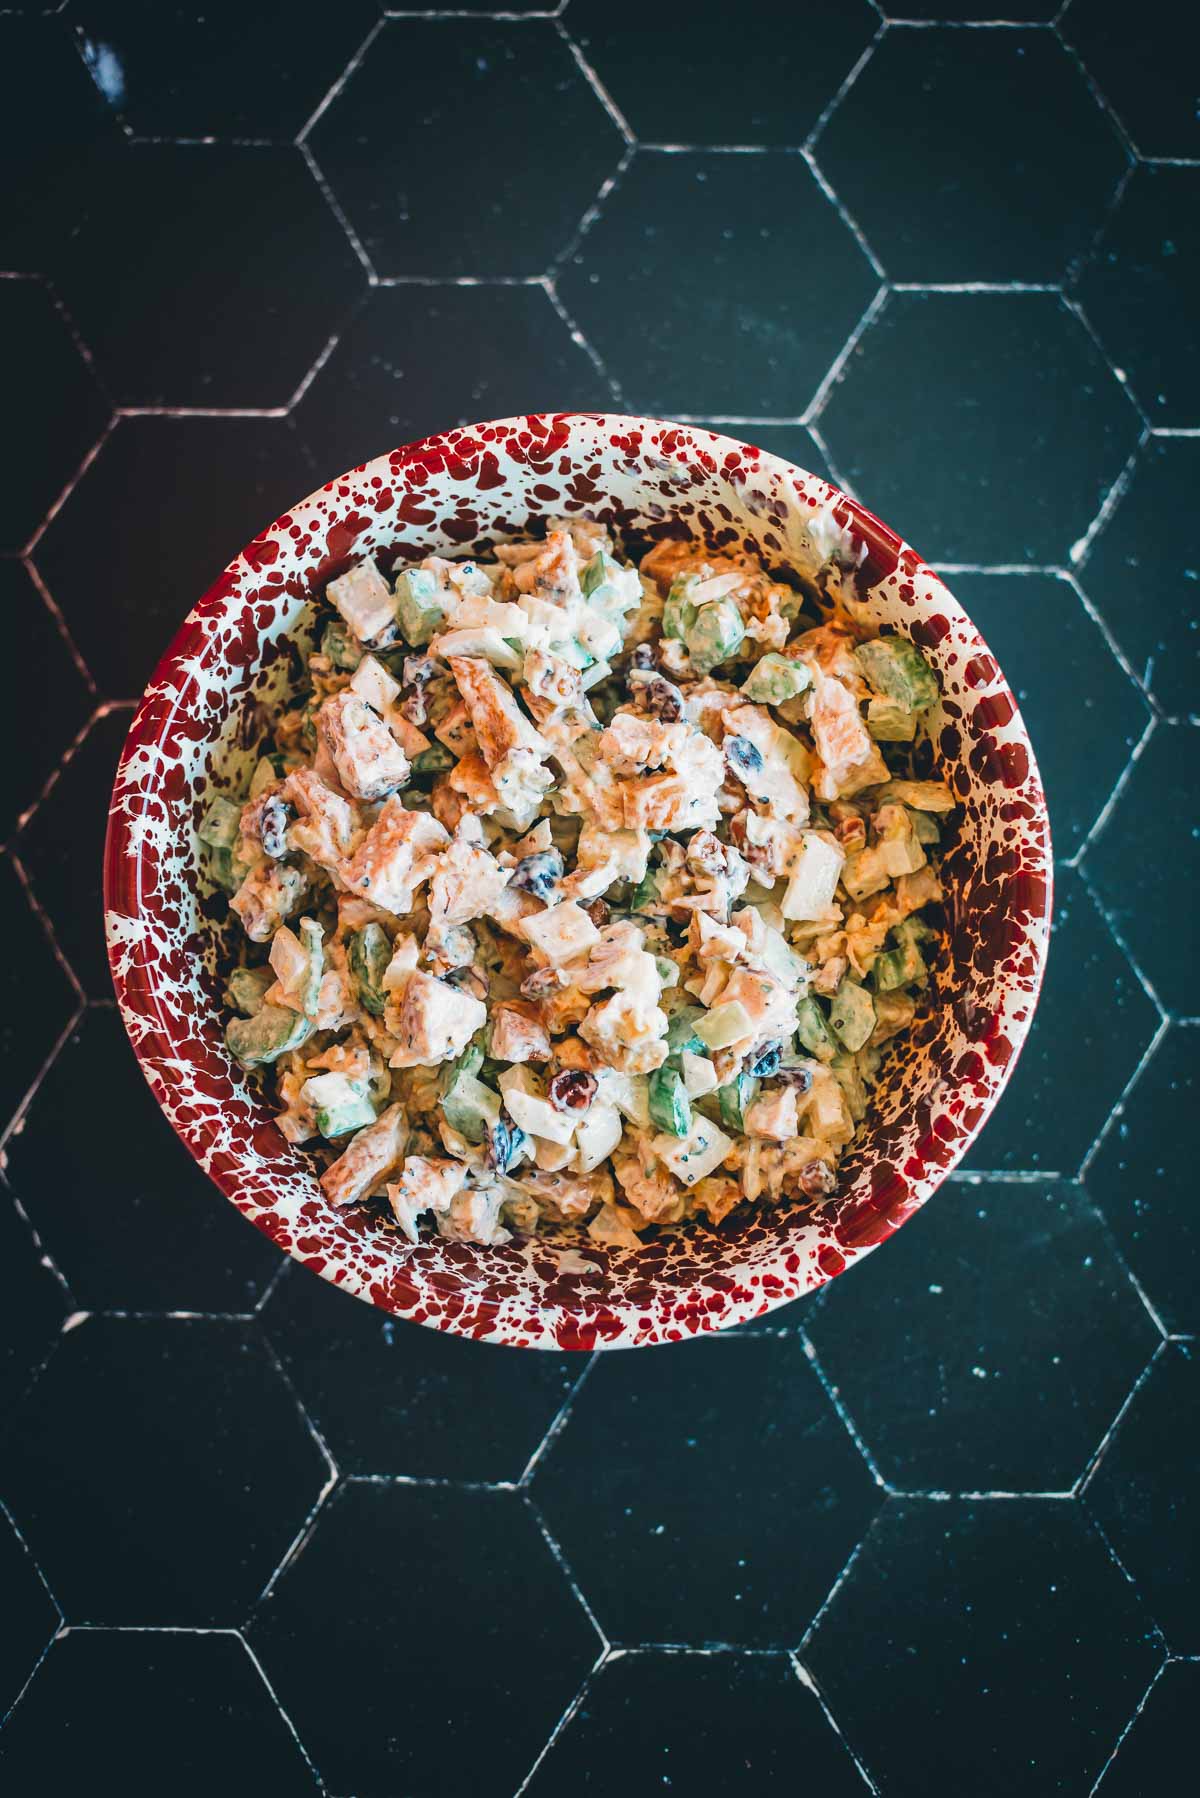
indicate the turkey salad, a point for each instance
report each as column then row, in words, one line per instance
column 579, row 892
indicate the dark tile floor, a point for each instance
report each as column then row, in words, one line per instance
column 932, row 1530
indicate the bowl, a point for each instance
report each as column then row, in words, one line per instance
column 197, row 730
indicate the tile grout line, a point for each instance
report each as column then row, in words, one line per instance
column 834, row 1396
column 594, row 82
column 563, row 1722
column 550, row 289
column 55, row 1633
column 1122, row 781
column 1081, row 549
column 47, row 923
column 1110, row 1237
column 64, row 762
column 1094, row 88
column 1119, row 939
column 45, row 1258
column 843, row 211
column 558, row 1423
column 1117, row 1745
column 61, row 625
column 72, row 482
column 592, row 212
column 847, row 82
column 564, row 1567
column 335, row 206
column 350, row 68
column 833, row 376
column 282, row 1709
column 1118, row 654
column 1122, row 1099
column 1098, row 1453
column 808, row 1680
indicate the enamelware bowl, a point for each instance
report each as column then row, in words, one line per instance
column 197, row 731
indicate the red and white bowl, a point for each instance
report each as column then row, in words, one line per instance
column 196, row 733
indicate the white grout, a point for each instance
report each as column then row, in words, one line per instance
column 594, row 82
column 810, row 1684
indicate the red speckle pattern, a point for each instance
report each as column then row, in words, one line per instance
column 196, row 732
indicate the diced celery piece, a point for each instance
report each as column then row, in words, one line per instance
column 312, row 942
column 668, row 971
column 715, row 635
column 591, row 677
column 889, row 722
column 246, row 988
column 599, row 570
column 813, row 1031
column 647, row 890
column 735, row 1099
column 339, row 643
column 270, row 1033
column 679, row 614
column 919, row 795
column 897, row 669
column 434, row 760
column 774, row 679
column 851, row 1015
column 681, row 1031
column 220, row 824
column 783, row 962
column 339, row 1105
column 471, row 1108
column 369, row 954
column 419, row 611
column 925, row 827
column 724, row 1024
column 901, row 966
column 670, row 1107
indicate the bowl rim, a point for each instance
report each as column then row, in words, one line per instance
column 154, row 1036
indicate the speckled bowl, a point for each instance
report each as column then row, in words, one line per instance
column 197, row 732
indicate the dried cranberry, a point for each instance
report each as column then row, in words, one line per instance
column 598, row 912
column 743, row 756
column 572, row 1090
column 765, row 1061
column 274, row 819
column 661, row 698
column 503, row 1144
column 800, row 1078
column 413, row 706
column 817, row 1180
column 642, row 657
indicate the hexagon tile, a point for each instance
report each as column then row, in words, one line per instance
column 386, row 1394
column 478, row 142
column 686, row 285
column 992, row 1347
column 159, row 1471
column 923, row 152
column 191, row 1716
column 244, row 247
column 418, row 1624
column 204, row 487
column 226, row 70
column 417, row 359
column 1040, row 425
column 114, row 1222
column 997, row 1642
column 697, row 1723
column 662, row 1450
column 1152, row 93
